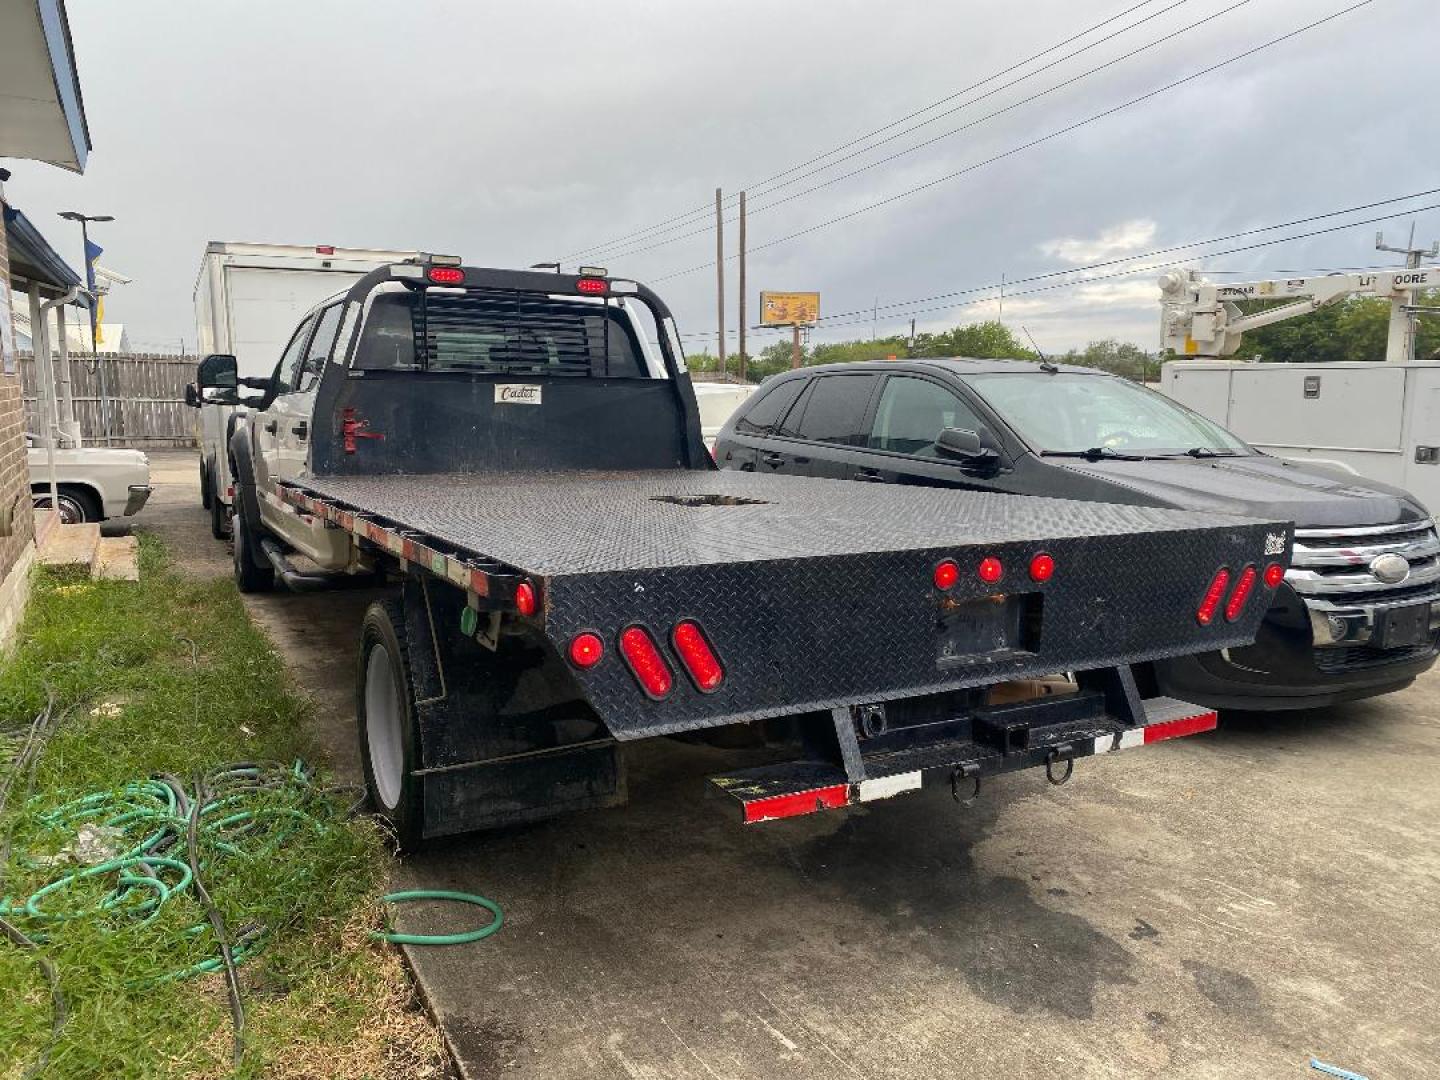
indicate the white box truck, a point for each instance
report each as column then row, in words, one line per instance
column 248, row 300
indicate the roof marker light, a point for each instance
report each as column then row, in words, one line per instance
column 646, row 663
column 1205, row 613
column 947, row 574
column 1042, row 567
column 590, row 285
column 324, row 249
column 525, row 601
column 1274, row 575
column 991, row 570
column 1241, row 594
column 697, row 656
column 446, row 275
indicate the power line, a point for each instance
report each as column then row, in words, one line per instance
column 867, row 312
column 1037, row 141
column 1114, row 61
column 707, row 208
column 1118, row 260
column 1140, row 269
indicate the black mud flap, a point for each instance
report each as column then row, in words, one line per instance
column 504, row 739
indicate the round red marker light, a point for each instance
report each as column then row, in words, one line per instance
column 1274, row 575
column 586, row 649
column 991, row 570
column 1042, row 567
column 947, row 574
column 525, row 598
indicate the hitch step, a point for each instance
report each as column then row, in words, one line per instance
column 792, row 789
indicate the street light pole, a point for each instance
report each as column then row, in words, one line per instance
column 84, row 220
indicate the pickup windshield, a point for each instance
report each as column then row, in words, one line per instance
column 501, row 331
column 1088, row 415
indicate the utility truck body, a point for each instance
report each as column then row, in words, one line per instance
column 519, row 455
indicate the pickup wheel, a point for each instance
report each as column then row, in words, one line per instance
column 205, row 497
column 249, row 578
column 385, row 716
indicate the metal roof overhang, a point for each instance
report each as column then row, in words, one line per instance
column 34, row 261
column 42, row 115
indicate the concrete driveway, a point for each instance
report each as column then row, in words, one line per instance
column 1222, row 906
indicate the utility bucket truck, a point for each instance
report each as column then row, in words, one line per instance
column 247, row 299
column 518, row 455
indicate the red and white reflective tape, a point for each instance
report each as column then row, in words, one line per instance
column 831, row 796
column 453, row 569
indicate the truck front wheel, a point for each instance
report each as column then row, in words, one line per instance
column 249, row 576
column 385, row 714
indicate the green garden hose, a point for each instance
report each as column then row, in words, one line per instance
column 463, row 938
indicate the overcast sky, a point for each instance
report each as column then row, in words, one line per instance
column 514, row 133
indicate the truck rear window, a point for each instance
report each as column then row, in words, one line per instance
column 495, row 330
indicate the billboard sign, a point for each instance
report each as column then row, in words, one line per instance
column 789, row 308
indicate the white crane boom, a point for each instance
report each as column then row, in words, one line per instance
column 1200, row 319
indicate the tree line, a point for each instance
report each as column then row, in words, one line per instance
column 1353, row 329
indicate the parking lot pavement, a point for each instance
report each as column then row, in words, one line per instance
column 1220, row 906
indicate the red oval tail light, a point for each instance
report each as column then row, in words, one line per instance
column 697, row 656
column 646, row 663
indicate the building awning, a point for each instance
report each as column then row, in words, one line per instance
column 42, row 115
column 33, row 260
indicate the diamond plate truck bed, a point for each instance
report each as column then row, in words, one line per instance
column 817, row 594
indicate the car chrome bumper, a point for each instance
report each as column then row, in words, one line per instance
column 139, row 496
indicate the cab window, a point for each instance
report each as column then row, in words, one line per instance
column 318, row 352
column 769, row 407
column 290, row 359
column 912, row 413
column 834, row 410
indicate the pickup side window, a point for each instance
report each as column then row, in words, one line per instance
column 500, row 331
column 318, row 352
column 835, row 409
column 769, row 407
column 912, row 413
column 289, row 369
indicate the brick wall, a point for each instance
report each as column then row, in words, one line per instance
column 14, row 473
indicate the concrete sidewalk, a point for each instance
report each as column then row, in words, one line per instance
column 1221, row 906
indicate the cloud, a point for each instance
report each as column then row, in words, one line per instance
column 1122, row 239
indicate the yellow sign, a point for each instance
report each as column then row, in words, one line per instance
column 789, row 308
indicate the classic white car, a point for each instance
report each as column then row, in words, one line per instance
column 93, row 482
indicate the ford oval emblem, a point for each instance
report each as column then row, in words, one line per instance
column 1391, row 569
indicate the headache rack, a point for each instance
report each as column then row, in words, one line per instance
column 521, row 331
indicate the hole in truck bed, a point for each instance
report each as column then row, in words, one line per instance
column 707, row 500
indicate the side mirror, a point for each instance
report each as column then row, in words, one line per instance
column 969, row 447
column 219, row 371
column 192, row 395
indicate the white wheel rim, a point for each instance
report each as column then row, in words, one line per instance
column 383, row 733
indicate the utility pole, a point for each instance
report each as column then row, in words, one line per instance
column 1400, row 343
column 1001, row 317
column 795, row 346
column 911, row 342
column 720, row 277
column 874, row 317
column 741, row 327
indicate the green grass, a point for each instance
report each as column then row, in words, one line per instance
column 168, row 675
